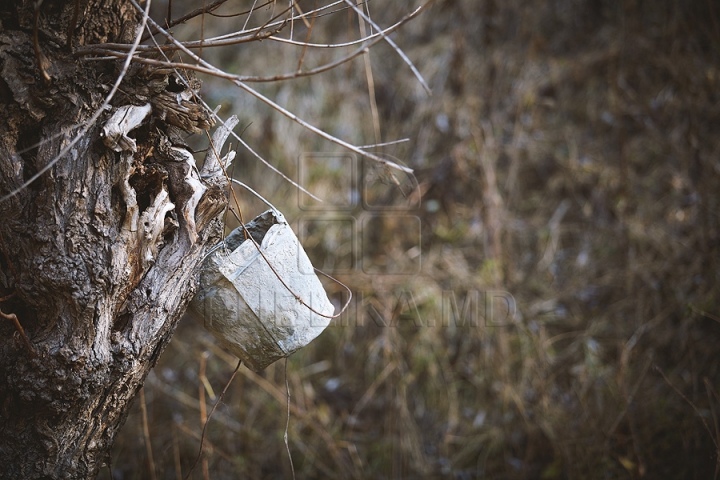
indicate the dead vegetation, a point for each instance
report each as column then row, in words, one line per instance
column 569, row 156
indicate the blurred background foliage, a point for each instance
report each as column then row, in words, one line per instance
column 570, row 156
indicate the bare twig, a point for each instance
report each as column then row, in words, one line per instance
column 712, row 396
column 303, row 17
column 243, row 142
column 704, row 313
column 118, row 49
column 393, row 44
column 220, row 398
column 210, row 8
column 39, row 56
column 176, row 451
column 115, row 51
column 185, row 18
column 277, row 107
column 287, row 421
column 292, row 20
column 370, row 392
column 358, row 41
column 371, row 85
column 72, row 25
column 240, row 14
column 275, row 24
column 202, row 30
column 384, row 144
column 7, row 297
column 702, row 418
column 251, row 12
column 13, row 318
column 146, row 434
column 307, row 39
column 211, row 447
column 306, row 416
column 203, row 412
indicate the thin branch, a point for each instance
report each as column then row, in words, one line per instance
column 371, row 84
column 242, row 32
column 287, row 421
column 252, row 9
column 292, row 20
column 339, row 45
column 704, row 313
column 393, row 45
column 204, row 432
column 274, row 17
column 331, row 12
column 146, row 435
column 252, row 78
column 243, row 142
column 102, row 48
column 275, row 24
column 302, row 15
column 240, row 14
column 385, row 144
column 226, row 39
column 202, row 30
column 8, row 297
column 185, row 18
column 272, row 167
column 277, row 107
column 307, row 39
column 320, row 132
column 39, row 56
column 700, row 415
column 72, row 25
column 13, row 318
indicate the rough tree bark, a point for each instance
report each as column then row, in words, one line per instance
column 99, row 256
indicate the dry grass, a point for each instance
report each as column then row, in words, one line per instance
column 569, row 156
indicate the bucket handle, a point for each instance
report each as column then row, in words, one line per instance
column 287, row 287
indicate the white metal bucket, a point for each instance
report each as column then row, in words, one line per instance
column 244, row 304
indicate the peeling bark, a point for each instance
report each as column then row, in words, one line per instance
column 101, row 253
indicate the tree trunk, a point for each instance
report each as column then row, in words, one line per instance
column 100, row 254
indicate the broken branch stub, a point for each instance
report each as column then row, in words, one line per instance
column 124, row 120
column 159, row 181
column 244, row 304
column 214, row 167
